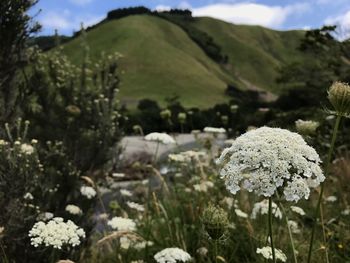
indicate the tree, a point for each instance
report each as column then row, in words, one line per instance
column 16, row 27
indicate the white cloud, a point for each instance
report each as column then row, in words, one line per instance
column 184, row 5
column 251, row 13
column 343, row 25
column 65, row 22
column 161, row 8
column 80, row 2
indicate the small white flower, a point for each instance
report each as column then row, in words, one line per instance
column 263, row 209
column 120, row 223
column 136, row 206
column 298, row 210
column 88, row 192
column 160, row 137
column 203, row 251
column 56, row 233
column 172, row 255
column 331, row 199
column 73, row 209
column 125, row 192
column 118, row 175
column 294, row 227
column 345, row 212
column 266, row 252
column 203, row 186
column 28, row 196
column 240, row 213
column 27, row 149
column 214, row 130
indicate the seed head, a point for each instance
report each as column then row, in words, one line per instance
column 339, row 97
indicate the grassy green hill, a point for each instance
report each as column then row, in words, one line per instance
column 160, row 59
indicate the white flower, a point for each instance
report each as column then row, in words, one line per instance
column 331, row 199
column 177, row 158
column 265, row 159
column 28, row 196
column 118, row 175
column 56, row 233
column 120, row 223
column 298, row 210
column 160, row 137
column 345, row 212
column 73, row 209
column 240, row 213
column 203, row 251
column 186, row 156
column 306, row 127
column 27, row 149
column 203, row 186
column 294, row 227
column 172, row 255
column 88, row 192
column 125, row 192
column 136, row 206
column 214, row 130
column 228, row 201
column 45, row 216
column 3, row 142
column 266, row 252
column 263, row 209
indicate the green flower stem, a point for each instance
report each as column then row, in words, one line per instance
column 289, row 231
column 270, row 230
column 156, row 152
column 317, row 211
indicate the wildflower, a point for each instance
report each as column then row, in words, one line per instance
column 331, row 199
column 120, row 223
column 34, row 141
column 214, row 130
column 65, row 261
column 263, row 208
column 136, row 206
column 27, row 149
column 160, row 137
column 293, row 227
column 177, row 158
column 182, row 117
column 88, row 192
column 202, row 251
column 165, row 114
column 45, row 216
column 298, row 210
column 265, row 159
column 228, row 201
column 266, row 252
column 2, row 230
column 339, row 96
column 118, row 175
column 56, row 233
column 240, row 213
column 215, row 221
column 28, row 196
column 345, row 212
column 2, row 142
column 172, row 255
column 306, row 127
column 203, row 186
column 234, row 108
column 125, row 192
column 73, row 209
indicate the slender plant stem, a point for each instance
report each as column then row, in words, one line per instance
column 216, row 250
column 156, row 153
column 270, row 230
column 289, row 232
column 317, row 211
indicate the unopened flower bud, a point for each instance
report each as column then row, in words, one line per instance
column 339, row 97
column 215, row 221
column 306, row 127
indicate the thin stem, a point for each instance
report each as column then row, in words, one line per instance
column 317, row 211
column 216, row 250
column 289, row 232
column 270, row 230
column 156, row 153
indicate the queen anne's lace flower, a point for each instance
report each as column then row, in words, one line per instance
column 263, row 208
column 56, row 233
column 125, row 192
column 88, row 192
column 73, row 209
column 214, row 130
column 136, row 206
column 27, row 149
column 298, row 210
column 172, row 255
column 120, row 223
column 266, row 252
column 265, row 159
column 294, row 227
column 240, row 213
column 160, row 137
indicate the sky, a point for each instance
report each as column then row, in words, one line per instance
column 66, row 15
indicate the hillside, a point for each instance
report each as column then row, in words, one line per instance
column 160, row 59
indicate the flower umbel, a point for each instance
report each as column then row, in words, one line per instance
column 266, row 159
column 172, row 255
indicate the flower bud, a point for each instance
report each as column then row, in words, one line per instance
column 215, row 221
column 165, row 114
column 339, row 97
column 182, row 117
column 306, row 127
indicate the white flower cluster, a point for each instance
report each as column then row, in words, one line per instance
column 262, row 208
column 186, row 156
column 298, row 210
column 27, row 149
column 266, row 252
column 136, row 206
column 120, row 223
column 88, row 192
column 160, row 137
column 203, row 186
column 264, row 159
column 56, row 233
column 214, row 130
column 126, row 243
column 172, row 255
column 73, row 209
column 125, row 192
column 294, row 227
